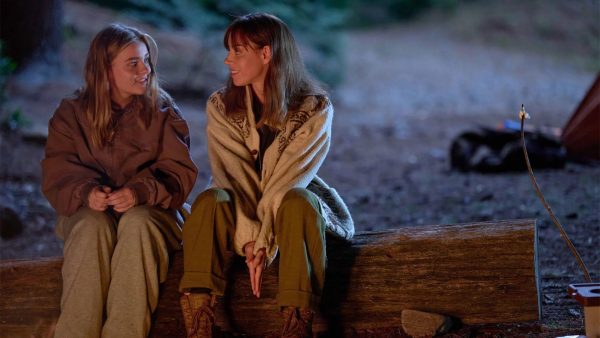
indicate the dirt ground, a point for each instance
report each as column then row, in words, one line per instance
column 408, row 91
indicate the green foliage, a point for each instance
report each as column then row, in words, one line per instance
column 314, row 24
column 377, row 12
column 173, row 14
column 7, row 66
column 14, row 122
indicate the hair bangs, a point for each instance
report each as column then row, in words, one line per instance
column 236, row 37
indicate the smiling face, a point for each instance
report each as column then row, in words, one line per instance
column 248, row 65
column 129, row 73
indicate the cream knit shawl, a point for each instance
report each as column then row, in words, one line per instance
column 291, row 161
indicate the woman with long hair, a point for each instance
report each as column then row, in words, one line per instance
column 268, row 133
column 117, row 168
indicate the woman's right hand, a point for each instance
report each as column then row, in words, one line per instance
column 98, row 198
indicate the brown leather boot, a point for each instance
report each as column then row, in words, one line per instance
column 297, row 322
column 199, row 315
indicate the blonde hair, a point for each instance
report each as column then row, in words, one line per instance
column 287, row 82
column 95, row 94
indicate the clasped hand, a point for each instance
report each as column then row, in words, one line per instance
column 101, row 197
column 256, row 265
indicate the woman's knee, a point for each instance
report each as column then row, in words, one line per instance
column 300, row 199
column 211, row 197
column 87, row 225
column 298, row 204
column 148, row 224
column 138, row 219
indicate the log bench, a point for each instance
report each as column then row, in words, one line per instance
column 478, row 273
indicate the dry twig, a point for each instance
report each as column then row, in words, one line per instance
column 522, row 116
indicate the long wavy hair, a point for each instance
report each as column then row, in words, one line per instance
column 95, row 94
column 287, row 82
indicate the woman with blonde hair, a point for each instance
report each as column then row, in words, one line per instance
column 117, row 168
column 268, row 133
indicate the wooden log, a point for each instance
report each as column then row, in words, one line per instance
column 29, row 296
column 478, row 273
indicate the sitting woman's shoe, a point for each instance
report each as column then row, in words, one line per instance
column 297, row 322
column 199, row 315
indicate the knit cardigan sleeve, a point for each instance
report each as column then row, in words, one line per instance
column 232, row 169
column 301, row 152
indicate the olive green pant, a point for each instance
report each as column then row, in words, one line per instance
column 299, row 233
column 111, row 270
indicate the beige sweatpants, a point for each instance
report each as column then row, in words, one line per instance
column 112, row 269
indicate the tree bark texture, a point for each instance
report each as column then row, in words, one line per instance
column 477, row 273
column 31, row 31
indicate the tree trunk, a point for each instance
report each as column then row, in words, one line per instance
column 477, row 273
column 31, row 31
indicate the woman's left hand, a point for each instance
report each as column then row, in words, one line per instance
column 122, row 199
